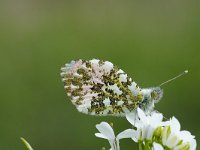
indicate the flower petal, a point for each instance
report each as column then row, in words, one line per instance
column 172, row 141
column 136, row 135
column 193, row 144
column 188, row 138
column 99, row 135
column 129, row 133
column 175, row 125
column 157, row 146
column 166, row 123
column 132, row 118
column 105, row 129
column 165, row 135
column 181, row 146
column 150, row 132
column 156, row 119
column 185, row 135
column 142, row 115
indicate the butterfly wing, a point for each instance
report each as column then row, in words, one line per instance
column 99, row 88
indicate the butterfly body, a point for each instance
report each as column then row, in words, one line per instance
column 150, row 97
column 100, row 88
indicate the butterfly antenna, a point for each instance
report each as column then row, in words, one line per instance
column 181, row 74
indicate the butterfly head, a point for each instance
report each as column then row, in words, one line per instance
column 150, row 97
column 156, row 94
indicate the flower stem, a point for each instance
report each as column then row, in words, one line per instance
column 146, row 147
column 140, row 145
column 28, row 146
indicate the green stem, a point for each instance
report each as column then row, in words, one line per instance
column 146, row 146
column 140, row 145
column 28, row 146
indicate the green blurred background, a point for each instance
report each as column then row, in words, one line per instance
column 150, row 40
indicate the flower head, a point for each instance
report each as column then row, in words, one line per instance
column 151, row 130
column 145, row 124
column 174, row 138
column 106, row 132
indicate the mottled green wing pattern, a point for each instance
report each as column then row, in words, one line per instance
column 100, row 88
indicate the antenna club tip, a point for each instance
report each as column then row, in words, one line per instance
column 186, row 71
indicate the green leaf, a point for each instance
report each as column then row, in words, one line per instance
column 28, row 146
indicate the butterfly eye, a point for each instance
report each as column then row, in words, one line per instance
column 154, row 95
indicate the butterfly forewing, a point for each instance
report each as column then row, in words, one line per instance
column 100, row 88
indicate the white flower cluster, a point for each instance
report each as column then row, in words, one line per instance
column 151, row 132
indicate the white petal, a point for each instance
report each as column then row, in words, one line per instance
column 105, row 129
column 136, row 136
column 185, row 135
column 144, row 132
column 112, row 145
column 157, row 146
column 156, row 119
column 129, row 133
column 175, row 125
column 166, row 123
column 172, row 141
column 132, row 118
column 150, row 132
column 142, row 115
column 193, row 144
column 164, row 135
column 180, row 146
column 101, row 136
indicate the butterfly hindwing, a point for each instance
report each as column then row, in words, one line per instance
column 100, row 88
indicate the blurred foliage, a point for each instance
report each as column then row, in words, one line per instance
column 150, row 40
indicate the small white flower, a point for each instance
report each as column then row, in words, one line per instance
column 175, row 139
column 106, row 132
column 145, row 124
column 157, row 146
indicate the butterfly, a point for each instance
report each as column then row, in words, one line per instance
column 98, row 87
